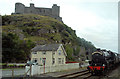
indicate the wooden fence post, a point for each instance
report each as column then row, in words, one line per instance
column 30, row 70
column 26, row 73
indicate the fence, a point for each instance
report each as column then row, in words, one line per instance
column 85, row 65
column 36, row 70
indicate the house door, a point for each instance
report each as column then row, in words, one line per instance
column 44, row 61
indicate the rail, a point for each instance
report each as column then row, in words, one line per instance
column 76, row 74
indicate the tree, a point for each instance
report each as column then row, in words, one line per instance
column 76, row 51
column 14, row 49
column 69, row 51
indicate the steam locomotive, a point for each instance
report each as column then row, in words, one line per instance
column 103, row 60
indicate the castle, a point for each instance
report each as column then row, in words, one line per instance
column 52, row 12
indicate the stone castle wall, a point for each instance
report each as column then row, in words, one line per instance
column 52, row 12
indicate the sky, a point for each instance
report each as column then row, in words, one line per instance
column 93, row 20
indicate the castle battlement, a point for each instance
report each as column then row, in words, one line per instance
column 52, row 12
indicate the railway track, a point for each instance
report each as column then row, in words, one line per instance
column 82, row 74
column 87, row 75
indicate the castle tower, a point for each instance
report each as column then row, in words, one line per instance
column 31, row 5
column 32, row 8
column 55, row 10
column 19, row 8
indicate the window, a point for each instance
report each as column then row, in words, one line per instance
column 35, row 59
column 53, row 52
column 59, row 52
column 34, row 52
column 62, row 60
column 40, row 10
column 59, row 60
column 53, row 61
column 44, row 52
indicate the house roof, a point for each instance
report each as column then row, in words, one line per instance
column 46, row 47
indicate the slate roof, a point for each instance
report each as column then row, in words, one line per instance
column 46, row 47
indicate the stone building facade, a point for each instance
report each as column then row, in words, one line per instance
column 52, row 12
column 49, row 54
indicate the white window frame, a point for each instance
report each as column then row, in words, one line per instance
column 62, row 60
column 35, row 59
column 44, row 52
column 34, row 52
column 59, row 60
column 53, row 60
column 53, row 52
column 59, row 52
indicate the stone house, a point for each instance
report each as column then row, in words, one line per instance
column 49, row 54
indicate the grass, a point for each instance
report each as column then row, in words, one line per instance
column 7, row 28
column 11, row 65
column 11, row 68
column 2, row 63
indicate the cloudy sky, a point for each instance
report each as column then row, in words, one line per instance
column 94, row 20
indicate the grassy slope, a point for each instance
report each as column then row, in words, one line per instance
column 31, row 26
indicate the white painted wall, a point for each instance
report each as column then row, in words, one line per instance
column 36, row 70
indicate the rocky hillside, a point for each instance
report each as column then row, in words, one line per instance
column 44, row 30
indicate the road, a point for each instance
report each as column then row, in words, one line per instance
column 8, row 72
